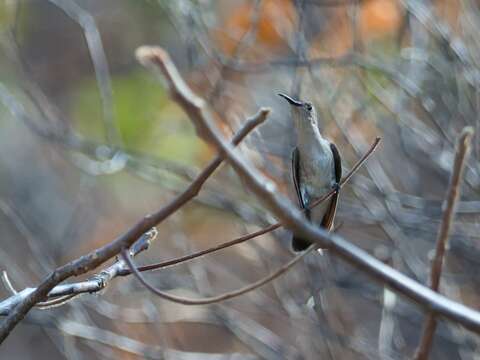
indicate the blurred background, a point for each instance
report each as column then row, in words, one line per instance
column 90, row 142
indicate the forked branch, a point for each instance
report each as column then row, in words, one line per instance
column 99, row 256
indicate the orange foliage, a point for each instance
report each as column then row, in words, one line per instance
column 379, row 18
column 376, row 18
column 276, row 20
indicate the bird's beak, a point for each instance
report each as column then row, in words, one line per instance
column 290, row 100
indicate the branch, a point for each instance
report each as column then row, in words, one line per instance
column 97, row 257
column 61, row 294
column 453, row 194
column 292, row 218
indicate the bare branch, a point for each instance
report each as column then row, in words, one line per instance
column 453, row 194
column 97, row 257
column 61, row 294
column 292, row 218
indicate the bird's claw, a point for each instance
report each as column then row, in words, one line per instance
column 336, row 187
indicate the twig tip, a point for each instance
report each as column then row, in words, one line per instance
column 264, row 112
column 467, row 131
column 147, row 55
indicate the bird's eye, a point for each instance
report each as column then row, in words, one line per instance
column 308, row 106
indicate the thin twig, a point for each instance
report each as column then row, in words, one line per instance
column 453, row 194
column 8, row 284
column 267, row 192
column 100, row 64
column 194, row 255
column 213, row 299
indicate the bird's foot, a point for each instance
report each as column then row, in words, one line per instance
column 336, row 187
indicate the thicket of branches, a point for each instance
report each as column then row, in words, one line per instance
column 405, row 71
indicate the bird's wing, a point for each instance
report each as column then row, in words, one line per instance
column 299, row 244
column 327, row 221
column 337, row 162
column 296, row 176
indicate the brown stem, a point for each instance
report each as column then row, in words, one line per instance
column 453, row 194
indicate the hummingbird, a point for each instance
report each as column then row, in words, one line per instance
column 316, row 169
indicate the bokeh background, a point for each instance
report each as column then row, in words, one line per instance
column 90, row 142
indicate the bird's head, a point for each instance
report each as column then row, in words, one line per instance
column 303, row 112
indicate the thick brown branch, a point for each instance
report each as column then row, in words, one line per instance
column 453, row 194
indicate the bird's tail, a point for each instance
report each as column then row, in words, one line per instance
column 299, row 244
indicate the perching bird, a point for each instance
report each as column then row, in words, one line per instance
column 316, row 169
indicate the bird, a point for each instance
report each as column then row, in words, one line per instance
column 316, row 169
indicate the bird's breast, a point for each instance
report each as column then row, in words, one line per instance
column 317, row 173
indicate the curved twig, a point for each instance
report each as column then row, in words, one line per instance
column 8, row 284
column 214, row 299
